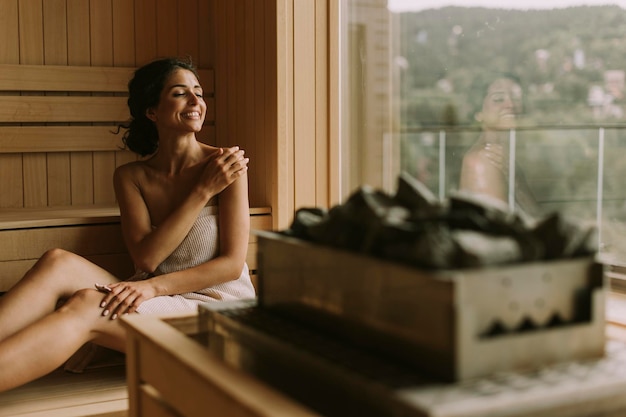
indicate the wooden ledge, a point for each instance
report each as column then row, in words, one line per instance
column 24, row 218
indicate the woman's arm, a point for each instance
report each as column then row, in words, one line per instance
column 150, row 246
column 234, row 230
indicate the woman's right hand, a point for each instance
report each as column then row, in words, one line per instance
column 222, row 169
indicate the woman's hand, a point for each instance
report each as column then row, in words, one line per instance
column 222, row 169
column 125, row 297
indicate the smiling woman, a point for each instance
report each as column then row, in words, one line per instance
column 485, row 167
column 177, row 206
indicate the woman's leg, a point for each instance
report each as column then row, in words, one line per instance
column 47, row 343
column 57, row 275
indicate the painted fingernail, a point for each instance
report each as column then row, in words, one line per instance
column 105, row 313
column 114, row 316
column 102, row 304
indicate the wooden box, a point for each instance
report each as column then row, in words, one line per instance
column 451, row 324
column 170, row 373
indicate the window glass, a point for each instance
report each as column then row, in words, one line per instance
column 525, row 103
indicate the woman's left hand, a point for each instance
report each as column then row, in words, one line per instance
column 125, row 297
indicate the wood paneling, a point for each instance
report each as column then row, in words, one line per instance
column 272, row 70
column 58, row 139
column 304, row 56
column 72, row 161
column 9, row 47
column 245, row 61
column 66, row 40
column 64, row 78
column 63, row 109
column 238, row 38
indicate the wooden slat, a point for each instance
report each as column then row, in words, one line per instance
column 29, row 109
column 123, row 33
column 63, row 109
column 59, row 179
column 167, row 24
column 101, row 27
column 259, row 222
column 17, row 139
column 188, row 29
column 30, row 16
column 63, row 216
column 206, row 44
column 145, row 31
column 94, row 239
column 77, row 30
column 35, row 179
column 304, row 101
column 11, row 185
column 64, row 78
column 55, row 53
column 81, row 166
column 54, row 32
column 76, row 78
column 9, row 47
column 57, row 216
column 103, row 168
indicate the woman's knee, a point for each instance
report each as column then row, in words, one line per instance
column 82, row 301
column 56, row 256
column 57, row 265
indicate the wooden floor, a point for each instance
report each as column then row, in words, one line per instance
column 95, row 393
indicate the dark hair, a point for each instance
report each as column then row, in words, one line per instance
column 144, row 91
column 480, row 86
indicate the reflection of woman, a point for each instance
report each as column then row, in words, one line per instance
column 485, row 166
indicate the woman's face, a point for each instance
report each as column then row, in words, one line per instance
column 181, row 107
column 501, row 105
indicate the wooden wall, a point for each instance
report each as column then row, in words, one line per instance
column 245, row 61
column 271, row 61
column 105, row 33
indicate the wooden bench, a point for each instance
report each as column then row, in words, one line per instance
column 58, row 152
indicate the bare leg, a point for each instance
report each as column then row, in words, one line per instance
column 45, row 344
column 57, row 275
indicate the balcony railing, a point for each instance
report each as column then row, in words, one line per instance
column 578, row 170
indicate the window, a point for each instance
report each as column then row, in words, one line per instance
column 531, row 98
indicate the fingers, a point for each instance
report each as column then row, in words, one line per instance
column 234, row 164
column 122, row 299
column 222, row 168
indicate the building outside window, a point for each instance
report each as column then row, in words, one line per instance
column 525, row 102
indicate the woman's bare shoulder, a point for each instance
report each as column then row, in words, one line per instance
column 209, row 150
column 130, row 169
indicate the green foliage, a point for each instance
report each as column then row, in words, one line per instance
column 463, row 45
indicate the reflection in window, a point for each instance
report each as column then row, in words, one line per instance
column 525, row 104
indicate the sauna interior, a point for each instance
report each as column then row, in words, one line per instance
column 64, row 66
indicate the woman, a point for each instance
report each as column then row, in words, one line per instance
column 485, row 166
column 169, row 204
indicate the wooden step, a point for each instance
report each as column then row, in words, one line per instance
column 95, row 393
